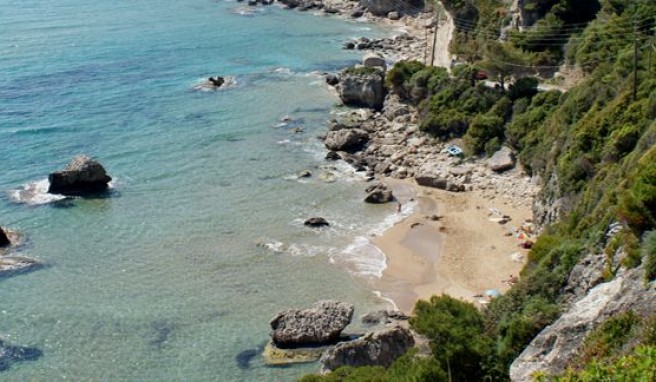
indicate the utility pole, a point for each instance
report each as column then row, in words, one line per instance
column 436, row 21
column 426, row 48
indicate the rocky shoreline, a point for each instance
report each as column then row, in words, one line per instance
column 385, row 139
column 382, row 139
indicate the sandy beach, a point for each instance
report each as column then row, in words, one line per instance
column 463, row 253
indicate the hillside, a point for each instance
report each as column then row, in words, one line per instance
column 590, row 276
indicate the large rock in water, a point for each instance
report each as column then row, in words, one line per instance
column 349, row 140
column 362, row 87
column 379, row 348
column 502, row 160
column 82, row 176
column 378, row 193
column 320, row 325
column 316, row 222
column 4, row 240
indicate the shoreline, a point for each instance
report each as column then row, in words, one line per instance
column 448, row 244
column 462, row 254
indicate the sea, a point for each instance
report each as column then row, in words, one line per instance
column 175, row 273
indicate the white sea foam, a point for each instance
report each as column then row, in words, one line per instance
column 366, row 259
column 273, row 246
column 35, row 193
column 387, row 299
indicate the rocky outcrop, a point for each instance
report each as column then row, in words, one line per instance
column 379, row 348
column 373, row 60
column 348, row 140
column 378, row 193
column 320, row 325
column 316, row 222
column 363, row 88
column 549, row 206
column 555, row 347
column 82, row 176
column 4, row 239
column 502, row 160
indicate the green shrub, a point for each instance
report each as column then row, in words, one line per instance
column 482, row 129
column 609, row 338
column 639, row 366
column 525, row 87
column 455, row 329
column 649, row 255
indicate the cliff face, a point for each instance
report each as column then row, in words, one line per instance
column 557, row 345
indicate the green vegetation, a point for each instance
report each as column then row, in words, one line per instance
column 640, row 366
column 595, row 149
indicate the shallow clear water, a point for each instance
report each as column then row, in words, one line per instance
column 201, row 241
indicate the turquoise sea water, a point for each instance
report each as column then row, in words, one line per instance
column 201, row 242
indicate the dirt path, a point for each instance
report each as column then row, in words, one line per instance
column 443, row 36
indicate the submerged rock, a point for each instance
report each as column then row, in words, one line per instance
column 379, row 348
column 14, row 264
column 274, row 355
column 320, row 325
column 82, row 176
column 316, row 222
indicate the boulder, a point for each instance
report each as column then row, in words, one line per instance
column 362, row 87
column 348, row 140
column 305, row 174
column 82, row 176
column 316, row 222
column 4, row 239
column 332, row 155
column 378, row 197
column 393, row 15
column 379, row 348
column 376, row 187
column 372, row 60
column 357, row 13
column 502, row 160
column 320, row 325
column 332, row 79
column 431, row 181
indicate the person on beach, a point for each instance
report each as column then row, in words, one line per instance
column 398, row 207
